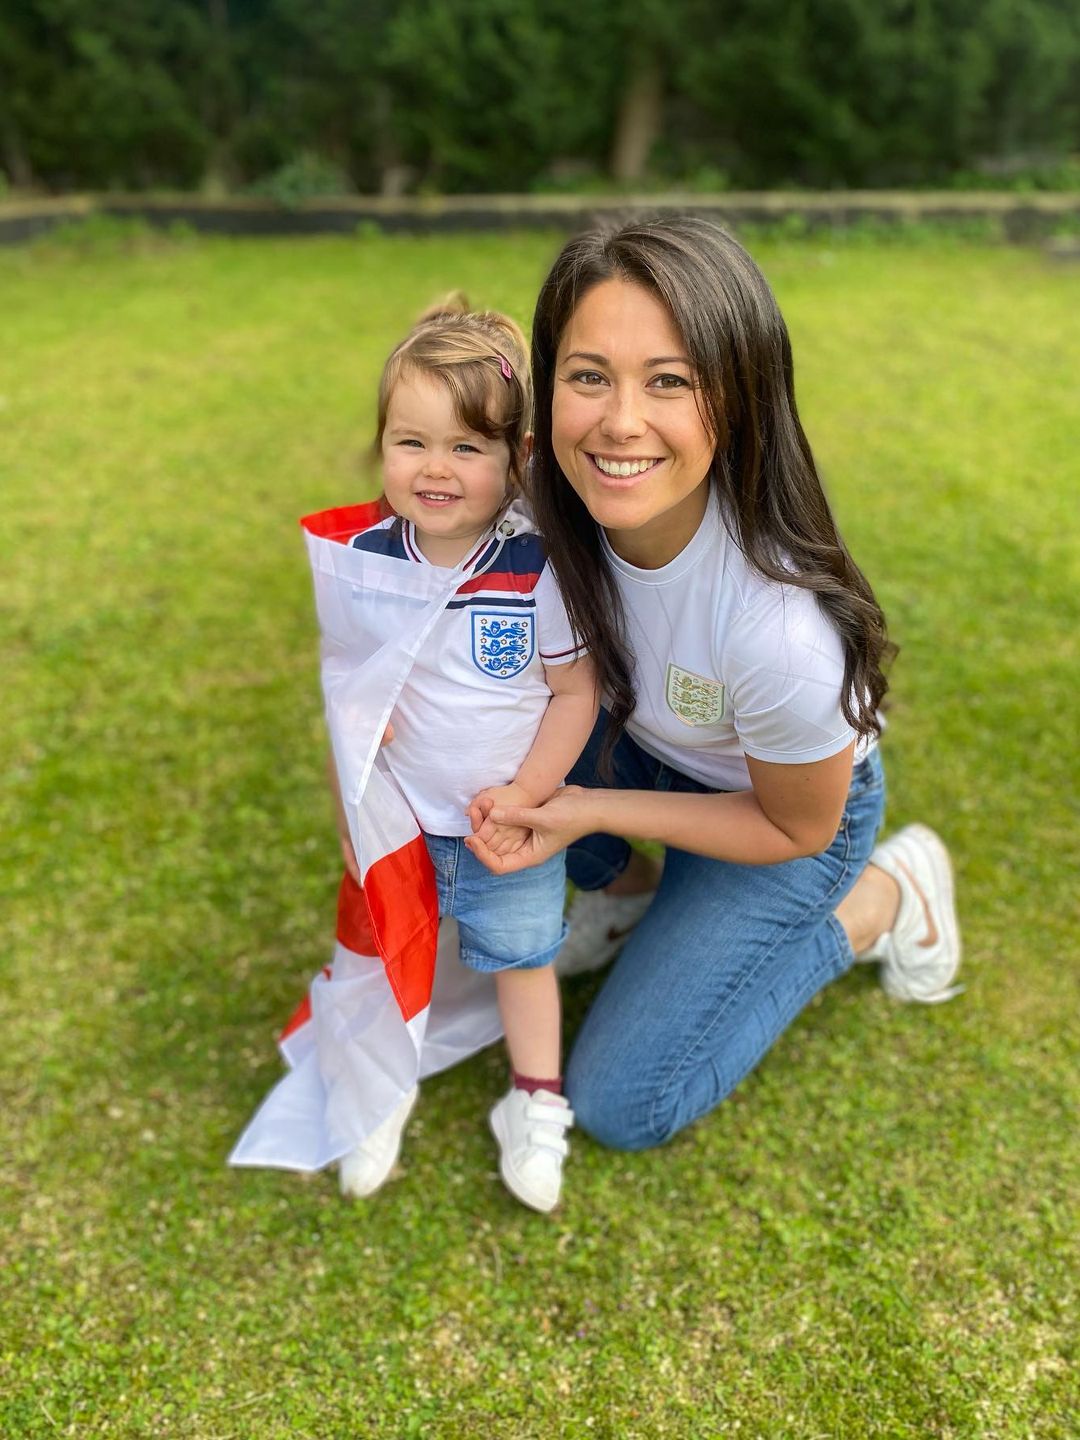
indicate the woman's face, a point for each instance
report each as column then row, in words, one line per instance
column 625, row 423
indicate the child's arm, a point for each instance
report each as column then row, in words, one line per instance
column 348, row 854
column 567, row 724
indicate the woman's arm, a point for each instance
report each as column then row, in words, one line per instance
column 791, row 811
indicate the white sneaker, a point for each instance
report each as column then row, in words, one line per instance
column 363, row 1170
column 531, row 1131
column 600, row 925
column 918, row 861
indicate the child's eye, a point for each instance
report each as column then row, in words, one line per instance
column 414, row 443
column 467, row 448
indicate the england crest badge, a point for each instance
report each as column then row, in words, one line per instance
column 695, row 699
column 502, row 645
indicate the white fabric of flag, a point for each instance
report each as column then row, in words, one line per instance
column 395, row 1004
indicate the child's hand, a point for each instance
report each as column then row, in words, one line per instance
column 348, row 854
column 499, row 839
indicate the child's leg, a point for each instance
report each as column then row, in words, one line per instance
column 512, row 926
column 529, row 1006
column 531, row 1121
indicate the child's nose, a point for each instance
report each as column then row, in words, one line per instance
column 436, row 465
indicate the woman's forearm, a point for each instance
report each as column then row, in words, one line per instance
column 730, row 827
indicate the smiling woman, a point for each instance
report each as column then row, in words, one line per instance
column 626, row 426
column 740, row 651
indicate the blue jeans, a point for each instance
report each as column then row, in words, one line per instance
column 506, row 922
column 722, row 962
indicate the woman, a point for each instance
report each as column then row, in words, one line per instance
column 740, row 651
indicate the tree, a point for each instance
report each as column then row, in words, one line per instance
column 487, row 93
column 97, row 95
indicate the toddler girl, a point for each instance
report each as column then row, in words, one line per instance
column 496, row 710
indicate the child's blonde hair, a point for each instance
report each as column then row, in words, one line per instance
column 482, row 359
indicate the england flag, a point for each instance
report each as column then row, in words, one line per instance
column 395, row 1004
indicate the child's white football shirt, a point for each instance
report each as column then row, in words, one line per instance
column 469, row 712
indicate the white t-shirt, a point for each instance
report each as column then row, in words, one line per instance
column 729, row 663
column 476, row 695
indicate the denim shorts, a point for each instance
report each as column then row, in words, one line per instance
column 506, row 922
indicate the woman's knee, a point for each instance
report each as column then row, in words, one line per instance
column 620, row 1117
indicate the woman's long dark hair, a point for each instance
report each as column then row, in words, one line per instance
column 763, row 468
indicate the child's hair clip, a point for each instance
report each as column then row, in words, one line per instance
column 504, row 366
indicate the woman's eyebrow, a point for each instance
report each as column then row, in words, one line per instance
column 646, row 365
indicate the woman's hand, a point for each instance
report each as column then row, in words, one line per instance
column 550, row 828
column 500, row 839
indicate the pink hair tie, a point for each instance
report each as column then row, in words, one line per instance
column 504, row 366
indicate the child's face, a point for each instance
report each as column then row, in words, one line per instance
column 626, row 427
column 449, row 481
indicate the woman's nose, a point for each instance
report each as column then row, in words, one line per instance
column 622, row 419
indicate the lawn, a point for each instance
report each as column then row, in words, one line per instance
column 874, row 1237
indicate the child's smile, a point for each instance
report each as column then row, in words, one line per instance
column 450, row 482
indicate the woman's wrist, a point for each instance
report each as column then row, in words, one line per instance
column 589, row 808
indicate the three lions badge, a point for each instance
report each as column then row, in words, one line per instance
column 695, row 699
column 502, row 646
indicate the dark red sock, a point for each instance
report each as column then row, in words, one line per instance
column 531, row 1084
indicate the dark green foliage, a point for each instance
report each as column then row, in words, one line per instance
column 861, row 92
column 492, row 92
column 104, row 96
column 460, row 95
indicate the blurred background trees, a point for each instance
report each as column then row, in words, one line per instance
column 295, row 97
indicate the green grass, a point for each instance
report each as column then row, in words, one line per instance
column 874, row 1237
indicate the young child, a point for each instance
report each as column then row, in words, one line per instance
column 497, row 708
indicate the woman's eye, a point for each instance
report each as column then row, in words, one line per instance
column 587, row 377
column 671, row 382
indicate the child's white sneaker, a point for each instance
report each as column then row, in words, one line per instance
column 364, row 1169
column 600, row 925
column 531, row 1131
column 911, row 968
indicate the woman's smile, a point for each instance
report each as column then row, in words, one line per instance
column 626, row 427
column 614, row 468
